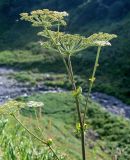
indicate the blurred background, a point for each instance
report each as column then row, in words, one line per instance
column 18, row 40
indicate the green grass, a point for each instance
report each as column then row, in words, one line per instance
column 48, row 79
column 113, row 130
column 58, row 122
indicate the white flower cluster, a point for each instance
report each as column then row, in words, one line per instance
column 102, row 43
column 64, row 14
column 35, row 104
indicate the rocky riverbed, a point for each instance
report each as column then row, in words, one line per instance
column 112, row 104
column 10, row 88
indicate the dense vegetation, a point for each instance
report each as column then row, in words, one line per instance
column 16, row 142
column 93, row 16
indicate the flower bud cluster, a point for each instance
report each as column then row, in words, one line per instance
column 67, row 44
column 45, row 18
column 70, row 44
column 101, row 39
column 35, row 104
column 11, row 107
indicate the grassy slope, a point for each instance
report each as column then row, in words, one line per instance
column 58, row 122
column 59, row 118
column 114, row 130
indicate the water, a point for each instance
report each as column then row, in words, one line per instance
column 112, row 104
column 10, row 88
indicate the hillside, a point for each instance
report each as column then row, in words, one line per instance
column 86, row 17
column 102, row 140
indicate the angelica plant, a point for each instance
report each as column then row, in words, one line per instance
column 68, row 45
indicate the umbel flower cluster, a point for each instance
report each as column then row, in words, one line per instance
column 34, row 104
column 66, row 44
column 45, row 18
column 11, row 107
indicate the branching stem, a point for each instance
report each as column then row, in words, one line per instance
column 78, row 110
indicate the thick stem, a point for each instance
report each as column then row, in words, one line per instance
column 78, row 110
column 71, row 76
column 92, row 79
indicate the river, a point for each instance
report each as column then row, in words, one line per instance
column 10, row 88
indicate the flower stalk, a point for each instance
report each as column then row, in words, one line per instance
column 78, row 109
column 92, row 80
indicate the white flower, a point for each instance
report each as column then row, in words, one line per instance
column 56, row 12
column 41, row 43
column 102, row 43
column 64, row 13
column 35, row 104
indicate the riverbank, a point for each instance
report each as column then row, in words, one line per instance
column 11, row 88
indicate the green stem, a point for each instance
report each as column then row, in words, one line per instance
column 71, row 73
column 38, row 123
column 35, row 136
column 28, row 130
column 63, row 59
column 78, row 110
column 53, row 152
column 71, row 77
column 92, row 80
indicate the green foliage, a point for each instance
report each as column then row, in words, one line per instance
column 56, row 106
column 18, row 143
column 113, row 130
column 63, row 47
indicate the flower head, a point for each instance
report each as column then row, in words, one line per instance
column 102, row 43
column 101, row 39
column 45, row 18
column 35, row 104
column 11, row 107
column 70, row 44
column 67, row 43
